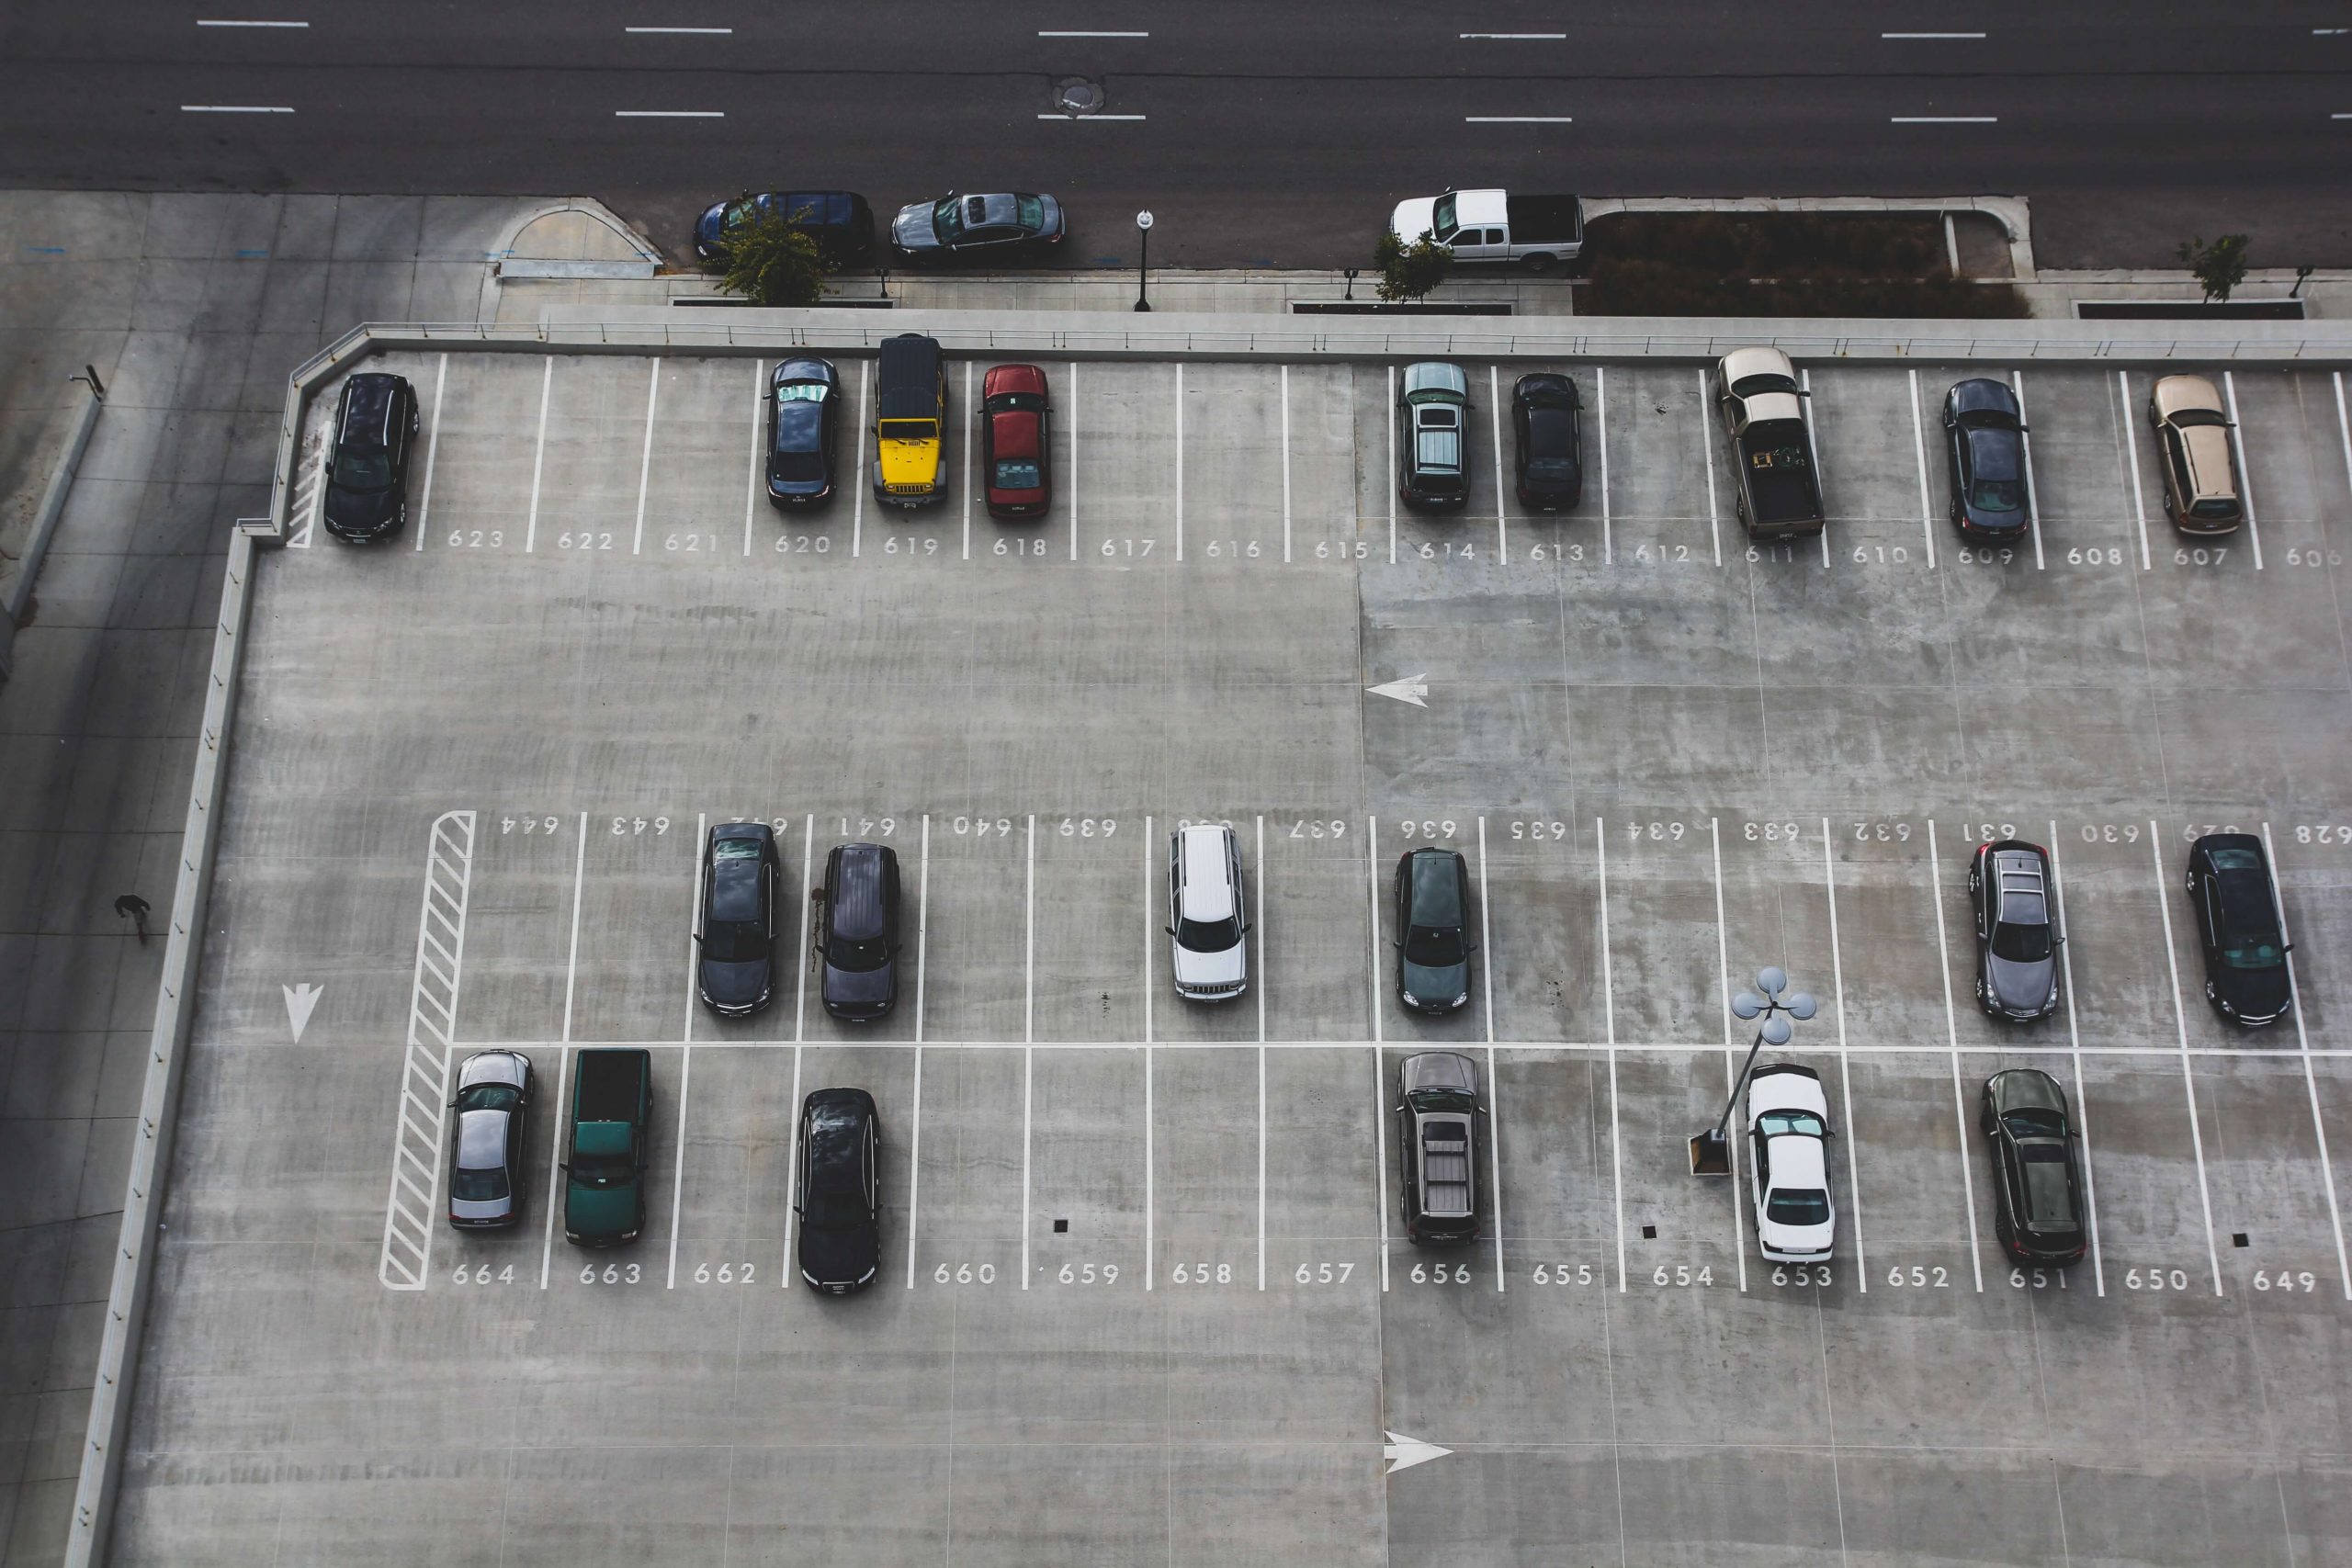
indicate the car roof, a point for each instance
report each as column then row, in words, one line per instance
column 482, row 1140
column 910, row 368
column 2175, row 394
column 2208, row 447
column 1784, row 1085
column 857, row 912
column 1013, row 378
column 1799, row 1160
column 1742, row 363
column 1012, row 433
column 1434, row 888
column 1208, row 892
column 1436, row 376
column 1981, row 394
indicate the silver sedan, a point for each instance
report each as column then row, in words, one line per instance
column 486, row 1163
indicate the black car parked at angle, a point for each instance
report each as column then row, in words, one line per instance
column 1008, row 226
column 839, row 221
column 1547, row 418
column 735, row 961
column 804, row 431
column 492, row 1111
column 841, row 1190
column 1985, row 450
column 1439, row 1130
column 2017, row 930
column 1432, row 931
column 2037, row 1176
column 367, row 477
column 857, row 932
column 2238, row 924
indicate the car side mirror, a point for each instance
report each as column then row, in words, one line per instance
column 563, row 1165
column 1249, row 926
column 1170, row 930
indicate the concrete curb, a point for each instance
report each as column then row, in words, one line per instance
column 42, row 525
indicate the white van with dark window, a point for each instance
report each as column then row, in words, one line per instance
column 1210, row 935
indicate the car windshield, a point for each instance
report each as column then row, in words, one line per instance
column 858, row 957
column 1997, row 495
column 1757, row 386
column 1018, row 473
column 1445, row 1099
column 1208, row 936
column 1033, row 212
column 602, row 1170
column 1433, row 947
column 2214, row 509
column 802, row 393
column 2034, row 1122
column 1441, row 224
column 1802, row 1124
column 2021, row 944
column 947, row 217
column 1797, row 1206
column 489, row 1097
column 477, row 1186
column 2186, row 417
column 734, row 942
column 362, row 468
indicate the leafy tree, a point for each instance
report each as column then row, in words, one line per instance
column 771, row 259
column 2220, row 267
column 1411, row 272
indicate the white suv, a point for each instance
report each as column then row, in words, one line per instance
column 1788, row 1151
column 1211, row 951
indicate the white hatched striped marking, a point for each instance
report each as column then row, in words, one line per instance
column 406, row 1263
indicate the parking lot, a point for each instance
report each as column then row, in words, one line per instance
column 1144, row 1293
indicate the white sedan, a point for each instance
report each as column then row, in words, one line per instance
column 1788, row 1147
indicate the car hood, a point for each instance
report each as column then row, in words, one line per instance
column 1438, row 984
column 2019, row 987
column 912, row 229
column 1226, row 968
column 839, row 1257
column 1412, row 218
column 860, row 989
column 736, row 984
column 707, row 226
column 599, row 1210
column 480, row 1208
column 360, row 511
column 2256, row 993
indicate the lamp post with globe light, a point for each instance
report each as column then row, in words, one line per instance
column 1711, row 1150
column 1143, row 258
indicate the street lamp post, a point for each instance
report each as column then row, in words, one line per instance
column 1143, row 258
column 1711, row 1150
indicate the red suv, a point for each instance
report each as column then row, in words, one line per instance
column 1015, row 420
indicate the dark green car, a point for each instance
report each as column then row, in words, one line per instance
column 1432, row 931
column 607, row 1148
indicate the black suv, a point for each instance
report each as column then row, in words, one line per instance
column 1438, row 1132
column 735, row 966
column 2037, row 1179
column 1432, row 931
column 2238, row 921
column 367, row 477
column 857, row 932
column 841, row 1190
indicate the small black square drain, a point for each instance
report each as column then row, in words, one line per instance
column 1060, row 1225
column 2239, row 1238
column 1649, row 1233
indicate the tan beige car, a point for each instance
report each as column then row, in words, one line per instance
column 2193, row 447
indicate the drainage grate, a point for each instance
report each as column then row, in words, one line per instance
column 1649, row 1233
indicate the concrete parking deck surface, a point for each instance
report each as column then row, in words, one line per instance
column 1144, row 1293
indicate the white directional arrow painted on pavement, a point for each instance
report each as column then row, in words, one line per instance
column 1403, row 1452
column 300, row 1001
column 1413, row 689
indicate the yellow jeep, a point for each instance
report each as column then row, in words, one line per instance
column 910, row 422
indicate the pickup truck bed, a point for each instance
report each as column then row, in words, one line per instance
column 609, row 1085
column 1545, row 219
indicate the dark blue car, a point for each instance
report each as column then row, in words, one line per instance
column 804, row 431
column 839, row 219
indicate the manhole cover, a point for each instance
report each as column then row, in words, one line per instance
column 1075, row 95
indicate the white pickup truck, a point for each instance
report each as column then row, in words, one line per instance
column 1494, row 226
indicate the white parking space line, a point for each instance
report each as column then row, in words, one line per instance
column 1257, row 920
column 686, row 1031
column 2032, row 491
column 1286, row 467
column 1731, row 1046
column 2132, row 460
column 1495, row 429
column 563, row 1056
column 1180, row 459
column 785, row 1270
column 2245, row 478
column 972, row 439
column 2343, row 432
column 1379, row 1086
column 1070, row 485
column 539, row 453
column 1494, row 1080
column 1028, row 1038
column 922, row 974
column 1388, row 483
column 1813, row 449
column 2187, row 1080
column 1608, row 1019
column 1951, row 1033
column 1600, row 402
column 1707, row 462
column 2074, row 1044
column 759, row 444
column 1926, row 506
column 857, row 490
column 433, row 441
column 1845, row 1069
column 645, row 463
column 2311, row 1085
column 571, row 960
column 800, row 953
column 1151, row 930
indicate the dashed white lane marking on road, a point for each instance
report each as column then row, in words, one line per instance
column 2131, row 461
column 1087, row 33
column 697, row 32
column 1951, row 1029
column 922, row 975
column 645, row 462
column 235, row 109
column 1931, row 35
column 1090, row 117
column 1944, row 120
column 1609, row 1021
column 1521, row 38
column 2311, row 1084
column 2246, row 478
column 686, row 1031
column 1731, row 1047
column 669, row 114
column 432, row 446
column 1926, row 507
column 1493, row 1079
column 1715, row 517
column 204, row 22
column 413, row 1201
column 759, row 445
column 2181, row 1026
column 539, row 453
column 1845, row 1067
column 1517, row 119
column 2074, row 1044
column 1379, row 1085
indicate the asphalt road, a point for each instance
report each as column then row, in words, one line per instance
column 1269, row 134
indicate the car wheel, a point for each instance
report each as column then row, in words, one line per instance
column 1540, row 263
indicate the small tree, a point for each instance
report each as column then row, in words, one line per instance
column 772, row 261
column 2220, row 267
column 1409, row 272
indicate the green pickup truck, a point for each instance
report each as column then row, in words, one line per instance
column 612, row 1119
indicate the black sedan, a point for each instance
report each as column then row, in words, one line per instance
column 2038, row 1204
column 2238, row 926
column 804, row 431
column 742, row 871
column 1006, row 227
column 841, row 1190
column 2017, row 930
column 1547, row 418
column 1985, row 450
column 367, row 477
column 1432, row 931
